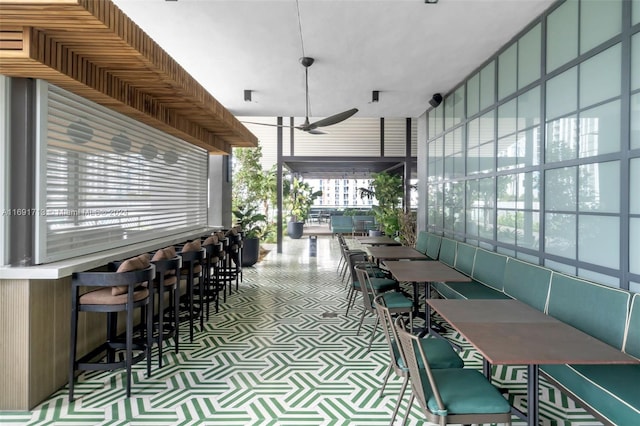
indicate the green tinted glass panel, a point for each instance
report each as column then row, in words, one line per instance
column 562, row 35
column 507, row 152
column 487, row 129
column 507, row 191
column 473, row 133
column 448, row 112
column 473, row 95
column 562, row 94
column 528, row 224
column 528, row 147
column 529, row 49
column 635, row 121
column 488, row 85
column 458, row 108
column 487, row 157
column 634, row 245
column 473, row 160
column 438, row 122
column 431, row 121
column 598, row 184
column 599, row 21
column 599, row 240
column 561, row 189
column 600, row 130
column 529, row 108
column 507, row 118
column 635, row 11
column 635, row 61
column 560, row 235
column 507, row 71
column 561, row 139
column 634, row 190
column 506, row 221
column 600, row 77
column 529, row 190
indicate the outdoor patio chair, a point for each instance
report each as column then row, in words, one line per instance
column 440, row 352
column 450, row 395
column 396, row 301
column 379, row 284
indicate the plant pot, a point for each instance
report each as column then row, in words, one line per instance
column 250, row 251
column 295, row 229
column 374, row 233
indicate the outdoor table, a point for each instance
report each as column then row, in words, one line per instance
column 509, row 332
column 378, row 241
column 424, row 272
column 383, row 253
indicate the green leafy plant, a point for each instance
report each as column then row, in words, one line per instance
column 250, row 221
column 254, row 187
column 301, row 198
column 388, row 189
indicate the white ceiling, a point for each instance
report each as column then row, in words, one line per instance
column 406, row 49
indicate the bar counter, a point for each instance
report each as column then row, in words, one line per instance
column 35, row 310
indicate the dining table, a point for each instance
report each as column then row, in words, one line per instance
column 385, row 253
column 510, row 332
column 383, row 240
column 425, row 273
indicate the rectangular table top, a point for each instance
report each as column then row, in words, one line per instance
column 395, row 253
column 425, row 271
column 511, row 332
column 382, row 240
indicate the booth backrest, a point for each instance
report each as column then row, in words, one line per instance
column 488, row 268
column 448, row 252
column 599, row 311
column 528, row 283
column 632, row 342
column 421, row 241
column 341, row 224
column 433, row 246
column 465, row 256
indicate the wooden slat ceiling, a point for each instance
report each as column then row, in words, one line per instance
column 91, row 48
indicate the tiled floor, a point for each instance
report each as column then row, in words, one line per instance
column 280, row 352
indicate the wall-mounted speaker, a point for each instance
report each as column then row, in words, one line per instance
column 435, row 100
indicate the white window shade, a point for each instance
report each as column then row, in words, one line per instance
column 107, row 180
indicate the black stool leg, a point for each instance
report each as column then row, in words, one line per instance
column 74, row 341
column 129, row 341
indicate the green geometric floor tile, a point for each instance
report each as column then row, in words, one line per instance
column 280, row 351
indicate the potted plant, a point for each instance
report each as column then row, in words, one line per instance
column 301, row 196
column 250, row 221
column 388, row 189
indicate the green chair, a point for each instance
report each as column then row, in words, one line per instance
column 450, row 395
column 379, row 284
column 395, row 301
column 440, row 352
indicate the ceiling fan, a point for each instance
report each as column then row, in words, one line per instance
column 308, row 127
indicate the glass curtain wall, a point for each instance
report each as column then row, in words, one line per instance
column 537, row 154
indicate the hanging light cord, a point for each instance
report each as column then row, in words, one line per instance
column 300, row 27
column 306, row 69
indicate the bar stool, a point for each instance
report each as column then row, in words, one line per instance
column 225, row 260
column 240, row 240
column 232, row 268
column 120, row 291
column 192, row 256
column 167, row 264
column 211, row 271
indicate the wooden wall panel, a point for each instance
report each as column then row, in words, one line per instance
column 14, row 329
